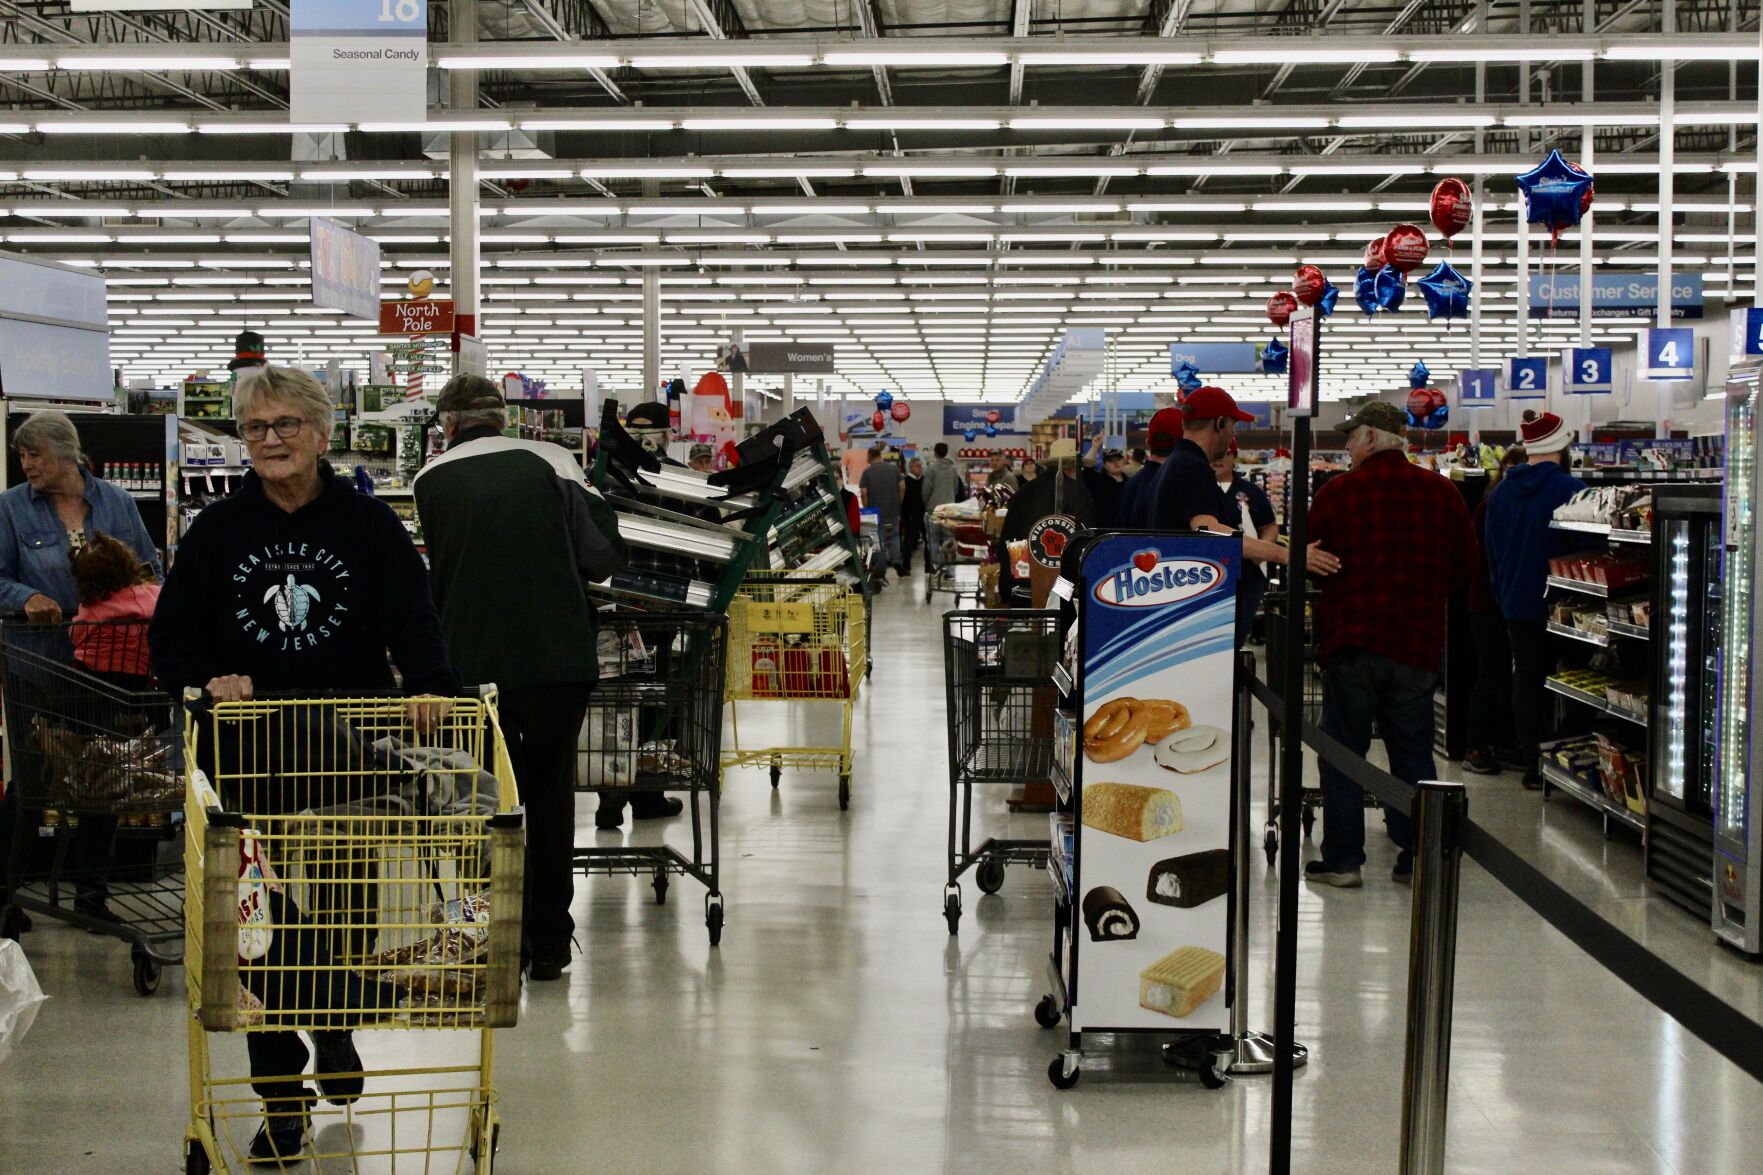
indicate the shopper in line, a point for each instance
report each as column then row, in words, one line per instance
column 1247, row 509
column 1000, row 474
column 883, row 488
column 702, row 458
column 1520, row 544
column 1406, row 543
column 515, row 533
column 942, row 485
column 1104, row 476
column 43, row 521
column 1135, row 496
column 911, row 514
column 1135, row 462
column 1057, row 490
column 1492, row 736
column 1027, row 470
column 297, row 584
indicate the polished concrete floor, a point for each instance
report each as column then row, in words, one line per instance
column 839, row 1027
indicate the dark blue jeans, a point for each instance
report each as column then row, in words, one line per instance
column 1358, row 689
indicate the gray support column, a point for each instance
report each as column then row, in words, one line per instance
column 462, row 185
column 1667, row 192
column 1432, row 972
column 1586, row 160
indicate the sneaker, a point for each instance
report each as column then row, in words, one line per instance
column 1480, row 763
column 1403, row 873
column 282, row 1138
column 1339, row 878
column 1532, row 782
column 547, row 968
column 609, row 815
column 336, row 1054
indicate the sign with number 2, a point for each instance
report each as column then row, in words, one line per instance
column 1527, row 378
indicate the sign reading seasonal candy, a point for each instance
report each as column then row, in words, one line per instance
column 1308, row 285
column 1405, row 247
column 1280, row 307
column 1450, row 207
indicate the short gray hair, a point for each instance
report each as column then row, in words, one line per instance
column 496, row 418
column 1382, row 441
column 52, row 433
column 285, row 385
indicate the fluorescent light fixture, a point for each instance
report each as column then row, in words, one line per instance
column 436, row 126
column 1109, row 57
column 609, row 239
column 1715, row 118
column 597, row 124
column 52, row 210
column 1568, row 118
column 1088, row 123
column 536, row 61
column 1539, row 49
column 1120, row 169
column 93, row 126
column 1273, row 55
column 271, row 128
column 23, row 65
column 75, row 174
column 920, row 208
column 1250, row 122
column 651, row 173
column 75, row 61
column 223, row 176
column 367, row 173
column 1313, row 205
column 930, row 170
column 1388, row 121
column 1211, row 167
column 1370, row 167
column 1092, row 206
column 1670, row 52
column 337, row 213
column 744, row 61
column 908, row 123
column 59, row 237
column 912, row 57
column 755, row 122
column 788, row 172
column 1198, row 206
column 819, row 209
column 523, row 171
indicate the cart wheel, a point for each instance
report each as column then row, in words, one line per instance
column 1047, row 1012
column 1059, row 1077
column 952, row 908
column 1307, row 817
column 777, row 770
column 990, row 875
column 196, row 1159
column 660, row 885
column 1213, row 1074
column 713, row 917
column 13, row 922
column 147, row 974
column 484, row 1155
column 844, row 792
column 1271, row 844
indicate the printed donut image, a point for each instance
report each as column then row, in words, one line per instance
column 1114, row 731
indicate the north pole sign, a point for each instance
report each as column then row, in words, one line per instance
column 417, row 318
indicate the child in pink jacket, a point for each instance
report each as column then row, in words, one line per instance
column 117, row 594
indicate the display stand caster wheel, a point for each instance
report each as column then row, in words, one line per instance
column 1064, row 1071
column 660, row 887
column 990, row 875
column 713, row 917
column 483, row 1151
column 1270, row 844
column 147, row 974
column 196, row 1159
column 1308, row 818
column 952, row 907
column 777, row 771
column 1047, row 1012
column 844, row 792
column 1215, row 1073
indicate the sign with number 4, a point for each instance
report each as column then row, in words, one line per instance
column 1587, row 371
column 1528, row 378
column 1670, row 354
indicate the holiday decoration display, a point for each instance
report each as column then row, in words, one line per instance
column 1405, row 247
column 1446, row 292
column 1273, row 357
column 1280, row 307
column 1450, row 207
column 1556, row 193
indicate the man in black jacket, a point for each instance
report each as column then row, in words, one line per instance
column 515, row 533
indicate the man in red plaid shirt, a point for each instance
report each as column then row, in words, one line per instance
column 1405, row 542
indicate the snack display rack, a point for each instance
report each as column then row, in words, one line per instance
column 354, row 864
column 1004, row 729
column 654, row 723
column 796, row 636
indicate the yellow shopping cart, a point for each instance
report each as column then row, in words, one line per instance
column 353, row 864
column 796, row 636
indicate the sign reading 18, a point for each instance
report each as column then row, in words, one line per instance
column 401, row 11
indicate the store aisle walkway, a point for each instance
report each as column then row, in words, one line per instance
column 839, row 1028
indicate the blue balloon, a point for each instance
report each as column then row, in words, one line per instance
column 1273, row 357
column 969, row 435
column 1391, row 288
column 884, row 399
column 1330, row 295
column 1553, row 191
column 1418, row 375
column 1187, row 376
column 1446, row 292
column 991, row 430
column 1365, row 290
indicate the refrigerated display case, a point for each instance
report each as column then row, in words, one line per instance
column 1685, row 633
column 1738, row 855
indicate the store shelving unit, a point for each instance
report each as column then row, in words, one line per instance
column 1579, row 634
column 1566, row 781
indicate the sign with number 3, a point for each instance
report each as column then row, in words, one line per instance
column 1587, row 371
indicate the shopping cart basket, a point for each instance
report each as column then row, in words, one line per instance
column 962, row 545
column 796, row 637
column 354, row 863
column 95, row 761
column 999, row 667
column 655, row 724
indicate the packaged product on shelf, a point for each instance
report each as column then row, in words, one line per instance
column 609, row 746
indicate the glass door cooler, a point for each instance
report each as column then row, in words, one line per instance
column 1684, row 630
column 1738, row 853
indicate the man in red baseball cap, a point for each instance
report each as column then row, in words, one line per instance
column 1135, row 495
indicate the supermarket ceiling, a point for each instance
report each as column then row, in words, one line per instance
column 939, row 188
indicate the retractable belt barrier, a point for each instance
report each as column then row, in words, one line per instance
column 1713, row 1021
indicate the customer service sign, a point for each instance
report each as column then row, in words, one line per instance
column 359, row 61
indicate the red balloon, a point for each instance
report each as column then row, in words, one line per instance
column 879, row 420
column 900, row 411
column 1450, row 207
column 992, row 417
column 1591, row 190
column 1280, row 307
column 1374, row 255
column 1405, row 247
column 1308, row 285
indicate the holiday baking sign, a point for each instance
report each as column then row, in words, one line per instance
column 1154, row 806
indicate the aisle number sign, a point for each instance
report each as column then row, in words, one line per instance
column 1747, row 332
column 358, row 61
column 1671, row 354
column 1527, row 378
column 1586, row 371
column 1475, row 387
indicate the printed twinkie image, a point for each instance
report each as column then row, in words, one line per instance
column 1154, row 805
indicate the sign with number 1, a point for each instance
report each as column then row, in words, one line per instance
column 1586, row 371
column 358, row 61
column 1475, row 387
column 1527, row 378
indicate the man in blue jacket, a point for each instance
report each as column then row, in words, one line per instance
column 1519, row 545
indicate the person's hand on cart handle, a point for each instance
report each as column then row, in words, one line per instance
column 40, row 609
column 427, row 712
column 1319, row 561
column 234, row 687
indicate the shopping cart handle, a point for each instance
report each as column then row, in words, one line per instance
column 197, row 701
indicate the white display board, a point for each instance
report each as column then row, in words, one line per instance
column 54, row 332
column 358, row 61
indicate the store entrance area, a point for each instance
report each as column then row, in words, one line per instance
column 840, row 1028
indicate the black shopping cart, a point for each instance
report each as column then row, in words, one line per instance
column 94, row 764
column 654, row 724
column 999, row 665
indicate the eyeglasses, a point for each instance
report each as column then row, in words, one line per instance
column 285, row 427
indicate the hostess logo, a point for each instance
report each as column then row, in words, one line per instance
column 1150, row 581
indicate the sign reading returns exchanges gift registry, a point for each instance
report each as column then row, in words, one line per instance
column 359, row 61
column 1154, row 808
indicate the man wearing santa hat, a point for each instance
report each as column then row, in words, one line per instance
column 1519, row 546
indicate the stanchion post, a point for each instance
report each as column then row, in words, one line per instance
column 1432, row 969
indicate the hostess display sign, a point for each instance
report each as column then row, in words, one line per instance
column 1150, row 582
column 1217, row 358
column 1614, row 295
column 960, row 418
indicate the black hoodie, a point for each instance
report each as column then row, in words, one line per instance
column 309, row 602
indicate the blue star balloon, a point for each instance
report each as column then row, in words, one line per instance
column 1418, row 375
column 1187, row 376
column 991, row 430
column 1446, row 292
column 969, row 435
column 1330, row 295
column 1390, row 288
column 884, row 400
column 1273, row 357
column 1365, row 290
column 1553, row 192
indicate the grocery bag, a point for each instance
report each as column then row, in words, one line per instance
column 19, row 996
